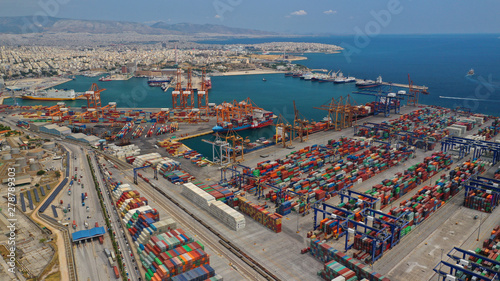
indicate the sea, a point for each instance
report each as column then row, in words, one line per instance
column 440, row 62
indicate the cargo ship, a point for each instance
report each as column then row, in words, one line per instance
column 245, row 116
column 105, row 78
column 158, row 81
column 342, row 79
column 243, row 125
column 208, row 83
column 369, row 83
column 51, row 95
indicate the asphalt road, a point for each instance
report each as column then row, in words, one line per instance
column 118, row 227
column 91, row 261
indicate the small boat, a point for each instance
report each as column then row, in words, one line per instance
column 264, row 79
column 471, row 72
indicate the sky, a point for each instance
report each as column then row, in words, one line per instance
column 283, row 16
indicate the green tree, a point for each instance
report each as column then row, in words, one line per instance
column 41, row 172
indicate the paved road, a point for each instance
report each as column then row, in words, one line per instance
column 116, row 223
column 91, row 261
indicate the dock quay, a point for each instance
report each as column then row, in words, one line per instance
column 423, row 88
column 194, row 136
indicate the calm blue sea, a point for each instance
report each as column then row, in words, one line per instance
column 437, row 61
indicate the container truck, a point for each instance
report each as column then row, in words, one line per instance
column 74, row 224
column 117, row 273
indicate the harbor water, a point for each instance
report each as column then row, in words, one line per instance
column 439, row 62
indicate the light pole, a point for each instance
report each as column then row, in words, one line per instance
column 440, row 264
column 479, row 230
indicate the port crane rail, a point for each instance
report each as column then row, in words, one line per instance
column 460, row 259
column 485, row 149
column 144, row 167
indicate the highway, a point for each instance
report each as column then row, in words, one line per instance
column 116, row 223
column 91, row 261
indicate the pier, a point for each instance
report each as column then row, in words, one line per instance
column 194, row 136
column 423, row 88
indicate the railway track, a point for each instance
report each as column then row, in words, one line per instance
column 241, row 255
column 207, row 240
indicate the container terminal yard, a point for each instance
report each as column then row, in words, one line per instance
column 389, row 190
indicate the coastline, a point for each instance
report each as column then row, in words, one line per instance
column 37, row 83
column 247, row 72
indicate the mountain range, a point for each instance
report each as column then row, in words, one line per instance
column 20, row 25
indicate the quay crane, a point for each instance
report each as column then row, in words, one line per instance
column 176, row 93
column 300, row 124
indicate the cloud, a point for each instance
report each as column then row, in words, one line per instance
column 299, row 13
column 330, row 12
column 217, row 16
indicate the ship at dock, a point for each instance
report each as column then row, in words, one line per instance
column 158, row 81
column 51, row 95
column 105, row 78
column 238, row 116
column 369, row 83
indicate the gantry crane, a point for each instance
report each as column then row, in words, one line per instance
column 187, row 97
column 176, row 93
column 414, row 92
column 340, row 113
column 203, row 94
column 300, row 124
column 282, row 128
column 94, row 97
column 236, row 142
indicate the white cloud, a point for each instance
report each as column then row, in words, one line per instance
column 330, row 12
column 299, row 13
column 217, row 16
